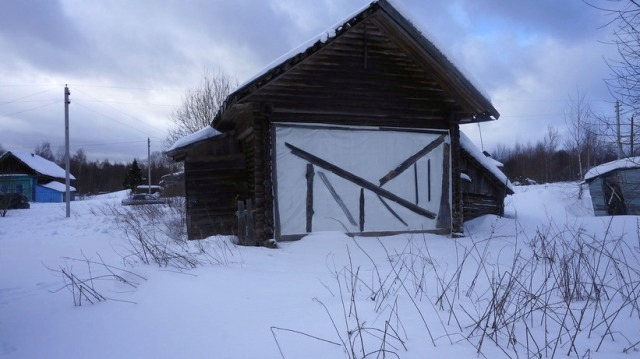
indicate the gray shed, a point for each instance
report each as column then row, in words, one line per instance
column 615, row 187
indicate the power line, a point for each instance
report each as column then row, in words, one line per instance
column 117, row 110
column 128, row 88
column 23, row 97
column 114, row 119
column 29, row 109
column 134, row 103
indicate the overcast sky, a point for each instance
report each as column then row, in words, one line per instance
column 128, row 63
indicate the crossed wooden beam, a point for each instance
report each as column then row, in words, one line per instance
column 378, row 190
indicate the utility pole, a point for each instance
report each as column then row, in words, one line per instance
column 66, row 150
column 618, row 139
column 149, row 163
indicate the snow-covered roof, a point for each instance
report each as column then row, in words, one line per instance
column 197, row 136
column 57, row 186
column 488, row 163
column 630, row 162
column 39, row 164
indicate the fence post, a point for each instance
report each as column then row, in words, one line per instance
column 242, row 223
column 246, row 232
column 250, row 239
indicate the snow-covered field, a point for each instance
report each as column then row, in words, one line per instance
column 547, row 280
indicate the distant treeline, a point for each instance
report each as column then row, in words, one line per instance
column 98, row 176
column 546, row 162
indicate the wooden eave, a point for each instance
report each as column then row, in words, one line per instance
column 475, row 107
column 29, row 171
column 412, row 40
column 180, row 154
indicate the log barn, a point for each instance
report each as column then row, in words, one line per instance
column 357, row 131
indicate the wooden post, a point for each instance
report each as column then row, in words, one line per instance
column 246, row 230
column 242, row 223
column 250, row 238
column 415, row 181
column 444, row 214
column 361, row 209
column 309, row 177
column 429, row 180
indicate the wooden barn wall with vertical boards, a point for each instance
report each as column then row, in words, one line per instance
column 214, row 180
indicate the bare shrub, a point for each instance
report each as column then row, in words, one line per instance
column 84, row 286
column 157, row 234
column 561, row 291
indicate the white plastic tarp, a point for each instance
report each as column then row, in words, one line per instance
column 369, row 154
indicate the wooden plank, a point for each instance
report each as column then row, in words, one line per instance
column 444, row 214
column 295, row 237
column 386, row 205
column 337, row 198
column 415, row 182
column 309, row 177
column 359, row 118
column 359, row 181
column 250, row 239
column 411, row 160
column 429, row 180
column 393, row 233
column 325, row 126
column 274, row 183
column 242, row 223
column 362, row 218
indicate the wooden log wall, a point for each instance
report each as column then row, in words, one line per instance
column 484, row 195
column 214, row 180
column 361, row 78
column 476, row 205
column 254, row 134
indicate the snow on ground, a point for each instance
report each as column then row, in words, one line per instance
column 302, row 300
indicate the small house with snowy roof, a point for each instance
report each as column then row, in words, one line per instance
column 355, row 131
column 35, row 177
column 615, row 187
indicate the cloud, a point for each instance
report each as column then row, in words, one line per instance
column 131, row 61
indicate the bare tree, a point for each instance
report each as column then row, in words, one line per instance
column 501, row 152
column 550, row 144
column 200, row 105
column 44, row 150
column 577, row 118
column 624, row 18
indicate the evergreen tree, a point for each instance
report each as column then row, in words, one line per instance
column 134, row 177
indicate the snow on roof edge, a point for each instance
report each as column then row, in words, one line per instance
column 448, row 56
column 57, row 186
column 39, row 164
column 486, row 162
column 629, row 162
column 203, row 134
column 323, row 36
column 326, row 34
